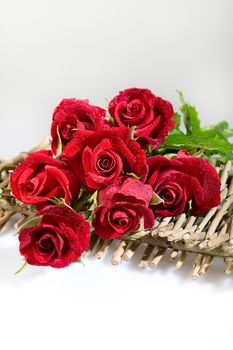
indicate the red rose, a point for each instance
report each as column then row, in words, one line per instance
column 101, row 156
column 58, row 240
column 40, row 177
column 72, row 115
column 183, row 179
column 150, row 114
column 121, row 207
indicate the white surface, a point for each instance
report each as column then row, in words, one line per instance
column 55, row 49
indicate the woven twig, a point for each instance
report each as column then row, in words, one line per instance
column 207, row 237
column 8, row 204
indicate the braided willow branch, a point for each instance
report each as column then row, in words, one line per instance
column 8, row 204
column 207, row 237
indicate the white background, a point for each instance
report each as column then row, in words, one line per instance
column 92, row 49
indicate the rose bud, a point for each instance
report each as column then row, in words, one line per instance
column 121, row 206
column 100, row 157
column 183, row 182
column 72, row 115
column 150, row 114
column 41, row 177
column 58, row 240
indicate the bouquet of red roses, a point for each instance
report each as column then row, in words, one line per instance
column 114, row 172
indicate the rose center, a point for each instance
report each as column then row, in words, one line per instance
column 46, row 244
column 171, row 194
column 167, row 195
column 133, row 112
column 134, row 107
column 67, row 131
column 28, row 187
column 106, row 164
column 120, row 218
column 121, row 221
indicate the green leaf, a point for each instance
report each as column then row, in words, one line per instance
column 134, row 176
column 177, row 117
column 21, row 268
column 181, row 96
column 80, row 202
column 90, row 217
column 132, row 130
column 222, row 128
column 209, row 141
column 170, row 155
column 30, row 223
column 155, row 199
column 57, row 201
column 79, row 261
column 110, row 119
column 191, row 120
column 149, row 150
column 59, row 145
column 93, row 200
column 190, row 115
column 60, row 202
column 227, row 132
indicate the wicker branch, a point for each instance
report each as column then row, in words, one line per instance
column 8, row 204
column 207, row 237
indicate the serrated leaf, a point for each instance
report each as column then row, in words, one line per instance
column 177, row 130
column 222, row 125
column 204, row 142
column 209, row 141
column 222, row 128
column 177, row 118
column 155, row 199
column 191, row 119
column 59, row 145
column 190, row 116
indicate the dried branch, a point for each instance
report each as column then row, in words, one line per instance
column 206, row 237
